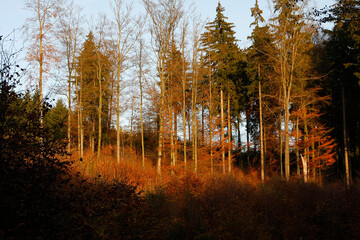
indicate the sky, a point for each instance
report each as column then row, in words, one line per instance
column 13, row 14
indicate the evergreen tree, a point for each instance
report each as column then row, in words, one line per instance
column 260, row 68
column 88, row 61
column 343, row 53
column 55, row 121
column 222, row 56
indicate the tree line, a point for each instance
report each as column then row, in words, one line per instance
column 192, row 94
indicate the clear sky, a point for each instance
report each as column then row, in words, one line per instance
column 13, row 14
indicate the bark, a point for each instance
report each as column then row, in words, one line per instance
column 297, row 148
column 141, row 109
column 281, row 148
column 99, row 110
column 229, row 137
column 261, row 135
column 222, row 131
column 305, row 168
column 211, row 123
column 346, row 152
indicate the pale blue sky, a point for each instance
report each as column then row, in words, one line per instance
column 13, row 14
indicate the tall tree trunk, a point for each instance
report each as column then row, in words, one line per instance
column 41, row 59
column 281, row 148
column 171, row 114
column 346, row 153
column 229, row 136
column 211, row 124
column 118, row 116
column 161, row 122
column 81, row 117
column 239, row 140
column 287, row 140
column 141, row 110
column 297, row 149
column 248, row 137
column 183, row 79
column 78, row 113
column 202, row 142
column 305, row 168
column 313, row 156
column 222, row 131
column 175, row 136
column 194, row 115
column 306, row 137
column 99, row 114
column 69, row 111
column 261, row 135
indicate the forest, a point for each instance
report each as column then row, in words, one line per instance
column 163, row 127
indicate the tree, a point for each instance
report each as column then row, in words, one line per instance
column 292, row 42
column 94, row 73
column 41, row 26
column 69, row 34
column 260, row 67
column 222, row 54
column 55, row 122
column 343, row 57
column 126, row 35
column 164, row 16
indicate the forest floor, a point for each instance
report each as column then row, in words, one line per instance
column 125, row 201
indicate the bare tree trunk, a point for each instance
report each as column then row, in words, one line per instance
column 118, row 118
column 171, row 114
column 81, row 119
column 175, row 137
column 78, row 113
column 287, row 140
column 305, row 168
column 261, row 135
column 229, row 137
column 194, row 110
column 99, row 112
column 248, row 138
column 239, row 140
column 222, row 132
column 281, row 148
column 141, row 109
column 41, row 60
column 69, row 110
column 184, row 96
column 297, row 148
column 346, row 153
column 211, row 123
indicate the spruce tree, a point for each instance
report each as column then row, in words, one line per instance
column 222, row 57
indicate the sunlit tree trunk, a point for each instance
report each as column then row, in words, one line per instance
column 99, row 74
column 346, row 153
column 297, row 148
column 183, row 81
column 229, row 136
column 211, row 122
column 222, row 130
column 262, row 159
column 141, row 109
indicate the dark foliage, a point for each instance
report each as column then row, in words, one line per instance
column 228, row 209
